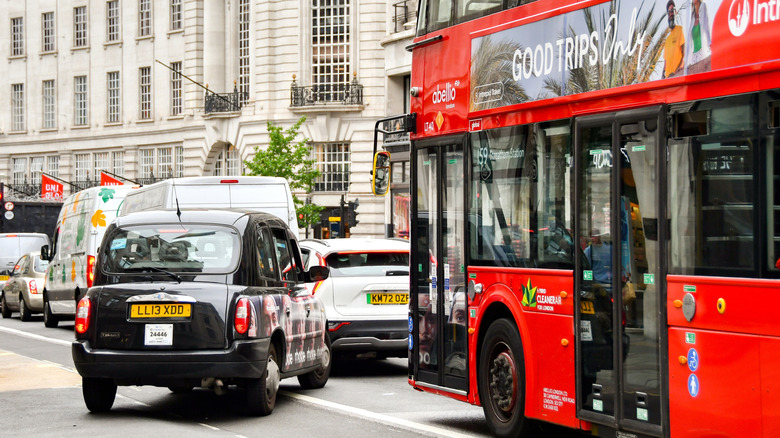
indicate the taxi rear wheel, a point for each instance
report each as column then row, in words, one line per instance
column 261, row 393
column 99, row 394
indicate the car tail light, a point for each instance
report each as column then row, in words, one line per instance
column 229, row 181
column 243, row 316
column 33, row 287
column 82, row 315
column 90, row 270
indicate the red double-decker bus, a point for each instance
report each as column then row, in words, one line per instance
column 595, row 213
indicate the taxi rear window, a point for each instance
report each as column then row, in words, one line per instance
column 208, row 249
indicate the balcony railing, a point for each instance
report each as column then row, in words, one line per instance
column 403, row 12
column 224, row 102
column 343, row 94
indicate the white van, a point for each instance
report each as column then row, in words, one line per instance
column 77, row 236
column 256, row 193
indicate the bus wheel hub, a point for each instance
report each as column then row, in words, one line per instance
column 503, row 381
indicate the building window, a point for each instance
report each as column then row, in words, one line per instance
column 80, row 26
column 112, row 20
column 53, row 165
column 164, row 163
column 243, row 51
column 179, row 152
column 227, row 163
column 175, row 14
column 118, row 159
column 17, row 36
column 160, row 163
column 36, row 168
column 146, row 160
column 145, row 92
column 176, row 103
column 330, row 49
column 81, row 167
column 80, row 100
column 333, row 161
column 101, row 163
column 114, row 107
column 47, row 32
column 49, row 105
column 144, row 18
column 20, row 171
column 17, row 106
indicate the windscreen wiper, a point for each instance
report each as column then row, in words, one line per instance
column 156, row 269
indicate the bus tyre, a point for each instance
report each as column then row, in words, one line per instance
column 501, row 380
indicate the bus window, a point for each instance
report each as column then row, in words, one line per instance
column 773, row 194
column 711, row 194
column 520, row 180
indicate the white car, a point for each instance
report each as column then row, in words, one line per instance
column 366, row 295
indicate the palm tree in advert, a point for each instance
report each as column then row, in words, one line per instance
column 633, row 67
column 489, row 67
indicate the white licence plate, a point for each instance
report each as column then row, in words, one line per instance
column 158, row 334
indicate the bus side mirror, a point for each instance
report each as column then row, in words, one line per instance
column 381, row 173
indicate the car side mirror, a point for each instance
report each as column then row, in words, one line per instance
column 45, row 253
column 317, row 273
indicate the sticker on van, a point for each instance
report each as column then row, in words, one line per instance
column 119, row 243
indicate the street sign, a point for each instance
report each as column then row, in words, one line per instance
column 9, row 205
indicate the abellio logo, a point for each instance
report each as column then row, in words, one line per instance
column 739, row 15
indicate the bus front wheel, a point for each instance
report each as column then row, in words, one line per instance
column 501, row 377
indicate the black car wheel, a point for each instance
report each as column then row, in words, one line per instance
column 501, row 377
column 24, row 311
column 319, row 377
column 4, row 310
column 49, row 320
column 261, row 393
column 99, row 394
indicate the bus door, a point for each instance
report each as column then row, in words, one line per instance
column 618, row 275
column 439, row 347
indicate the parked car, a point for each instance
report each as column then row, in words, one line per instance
column 200, row 299
column 13, row 246
column 22, row 291
column 366, row 295
column 80, row 227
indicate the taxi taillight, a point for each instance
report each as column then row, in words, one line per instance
column 33, row 287
column 82, row 315
column 90, row 270
column 243, row 316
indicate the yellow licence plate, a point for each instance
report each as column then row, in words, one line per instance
column 387, row 298
column 172, row 310
column 4, row 278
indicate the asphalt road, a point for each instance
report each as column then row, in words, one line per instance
column 40, row 395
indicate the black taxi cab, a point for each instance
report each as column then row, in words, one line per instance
column 200, row 298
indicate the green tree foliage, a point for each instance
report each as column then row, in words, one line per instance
column 287, row 158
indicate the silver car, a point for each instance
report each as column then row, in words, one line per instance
column 23, row 290
column 366, row 295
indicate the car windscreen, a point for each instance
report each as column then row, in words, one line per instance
column 201, row 248
column 368, row 263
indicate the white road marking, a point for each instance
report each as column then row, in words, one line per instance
column 34, row 336
column 374, row 416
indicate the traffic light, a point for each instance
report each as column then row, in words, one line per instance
column 353, row 212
